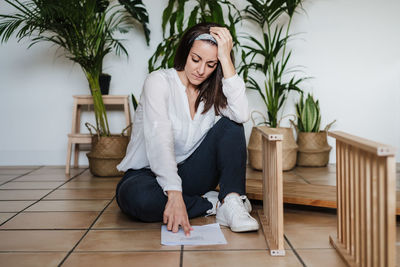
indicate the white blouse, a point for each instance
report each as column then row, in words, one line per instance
column 164, row 133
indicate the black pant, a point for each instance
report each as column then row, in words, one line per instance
column 220, row 158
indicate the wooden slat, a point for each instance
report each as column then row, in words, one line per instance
column 339, row 192
column 364, row 144
column 368, row 200
column 271, row 217
column 357, row 205
column 374, row 211
column 390, row 170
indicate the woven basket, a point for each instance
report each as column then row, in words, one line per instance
column 289, row 149
column 113, row 146
column 313, row 149
column 106, row 153
column 104, row 167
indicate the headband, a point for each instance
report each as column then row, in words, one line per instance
column 206, row 36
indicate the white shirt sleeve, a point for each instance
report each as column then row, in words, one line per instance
column 159, row 139
column 235, row 91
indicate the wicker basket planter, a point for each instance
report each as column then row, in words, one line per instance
column 106, row 153
column 313, row 149
column 289, row 151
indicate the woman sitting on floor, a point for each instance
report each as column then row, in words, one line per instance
column 188, row 137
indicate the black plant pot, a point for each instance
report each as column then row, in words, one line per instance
column 104, row 81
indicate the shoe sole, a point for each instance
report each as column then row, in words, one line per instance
column 247, row 228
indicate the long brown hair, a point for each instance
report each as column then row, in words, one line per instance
column 210, row 91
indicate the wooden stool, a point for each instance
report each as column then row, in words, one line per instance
column 75, row 137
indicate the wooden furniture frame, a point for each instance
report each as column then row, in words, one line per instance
column 271, row 216
column 366, row 201
column 75, row 138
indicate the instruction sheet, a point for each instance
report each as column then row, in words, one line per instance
column 209, row 234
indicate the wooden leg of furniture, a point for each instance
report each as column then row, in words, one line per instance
column 127, row 115
column 69, row 150
column 76, row 156
column 271, row 217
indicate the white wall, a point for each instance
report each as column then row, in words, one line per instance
column 350, row 48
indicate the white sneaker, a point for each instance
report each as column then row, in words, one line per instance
column 234, row 214
column 212, row 196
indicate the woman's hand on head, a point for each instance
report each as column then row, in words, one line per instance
column 175, row 213
column 224, row 41
column 225, row 44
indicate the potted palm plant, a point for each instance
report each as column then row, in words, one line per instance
column 178, row 21
column 84, row 29
column 269, row 55
column 313, row 143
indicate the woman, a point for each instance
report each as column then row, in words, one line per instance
column 178, row 153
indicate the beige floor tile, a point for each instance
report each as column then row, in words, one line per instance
column 106, row 259
column 5, row 216
column 310, row 237
column 58, row 170
column 14, row 206
column 69, row 205
column 38, row 259
column 6, row 177
column 90, row 184
column 22, row 194
column 248, row 240
column 51, row 220
column 309, row 219
column 113, row 207
column 15, row 170
column 397, row 255
column 86, row 176
column 204, row 221
column 237, row 258
column 39, row 240
column 90, row 178
column 321, row 257
column 31, row 185
column 35, row 177
column 123, row 240
column 82, row 194
column 118, row 220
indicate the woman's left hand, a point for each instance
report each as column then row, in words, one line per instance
column 224, row 41
column 225, row 44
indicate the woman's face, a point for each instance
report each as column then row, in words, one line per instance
column 201, row 61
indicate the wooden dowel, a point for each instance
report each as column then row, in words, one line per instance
column 343, row 189
column 357, row 199
column 347, row 198
column 390, row 170
column 363, row 231
column 368, row 199
column 339, row 191
column 382, row 245
column 351, row 198
column 374, row 210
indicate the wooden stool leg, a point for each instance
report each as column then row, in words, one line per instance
column 67, row 166
column 127, row 114
column 76, row 156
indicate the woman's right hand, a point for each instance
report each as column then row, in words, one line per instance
column 175, row 213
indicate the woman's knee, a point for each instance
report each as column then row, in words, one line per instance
column 139, row 199
column 230, row 125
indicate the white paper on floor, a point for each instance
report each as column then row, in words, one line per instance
column 209, row 234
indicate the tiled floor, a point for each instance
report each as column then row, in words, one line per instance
column 47, row 219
